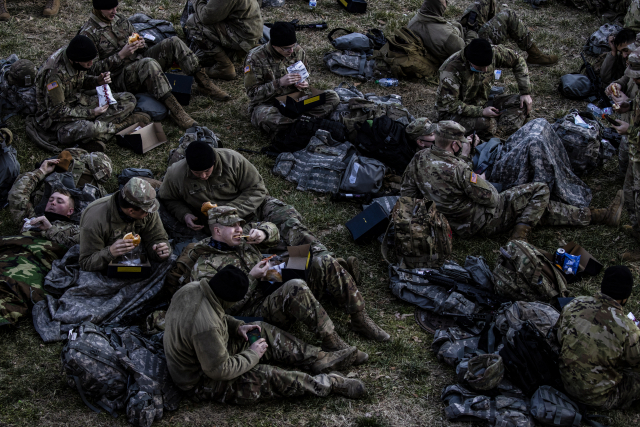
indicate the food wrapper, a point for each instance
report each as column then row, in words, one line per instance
column 299, row 68
column 28, row 227
column 131, row 258
column 633, row 318
column 105, row 97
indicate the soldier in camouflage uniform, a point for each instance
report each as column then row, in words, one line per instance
column 137, row 69
column 17, row 87
column 615, row 62
column 484, row 19
column 600, row 346
column 217, row 25
column 465, row 82
column 421, row 132
column 209, row 355
column 64, row 109
column 473, row 206
column 266, row 78
column 105, row 222
column 57, row 223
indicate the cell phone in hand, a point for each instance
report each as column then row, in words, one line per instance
column 253, row 335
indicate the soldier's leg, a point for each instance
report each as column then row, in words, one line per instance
column 287, row 219
column 506, row 24
column 84, row 131
column 120, row 111
column 513, row 117
column 561, row 214
column 623, row 156
column 327, row 276
column 479, row 14
column 269, row 119
column 523, row 204
column 332, row 101
column 146, row 75
column 484, row 126
column 173, row 50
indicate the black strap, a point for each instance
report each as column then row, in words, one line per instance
column 84, row 398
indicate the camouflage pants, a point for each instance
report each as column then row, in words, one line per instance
column 102, row 129
column 497, row 26
column 291, row 302
column 512, row 118
column 265, row 382
column 287, row 219
column 147, row 74
column 632, row 191
column 206, row 43
column 529, row 204
column 269, row 119
column 626, row 393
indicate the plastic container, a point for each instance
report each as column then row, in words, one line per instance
column 387, row 82
column 312, row 4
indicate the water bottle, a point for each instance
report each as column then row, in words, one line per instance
column 387, row 82
column 312, row 4
column 597, row 111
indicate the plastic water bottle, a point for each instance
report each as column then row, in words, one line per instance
column 312, row 4
column 387, row 82
column 594, row 108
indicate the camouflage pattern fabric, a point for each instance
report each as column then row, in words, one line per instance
column 535, row 153
column 16, row 99
column 632, row 178
column 453, row 344
column 632, row 18
column 496, row 25
column 510, row 317
column 600, row 352
column 583, row 145
column 289, row 223
column 24, row 263
column 511, row 120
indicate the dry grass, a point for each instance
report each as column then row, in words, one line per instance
column 403, row 377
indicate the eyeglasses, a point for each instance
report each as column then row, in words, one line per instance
column 287, row 49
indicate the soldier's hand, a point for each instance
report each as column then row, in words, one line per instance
column 612, row 45
column 490, row 112
column 622, row 128
column 242, row 330
column 623, row 107
column 99, row 110
column 303, row 85
column 121, row 247
column 256, row 236
column 620, row 99
column 129, row 49
column 609, row 91
column 49, row 166
column 41, row 222
column 289, row 79
column 189, row 220
column 162, row 249
column 260, row 346
column 475, row 138
column 260, row 270
column 526, row 100
column 105, row 78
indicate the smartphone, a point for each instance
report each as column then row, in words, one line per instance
column 253, row 335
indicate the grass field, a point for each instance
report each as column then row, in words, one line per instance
column 403, row 377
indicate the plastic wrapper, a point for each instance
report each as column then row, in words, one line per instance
column 27, row 226
column 131, row 258
column 570, row 263
column 299, row 68
column 105, row 97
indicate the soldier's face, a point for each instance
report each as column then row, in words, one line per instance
column 59, row 204
column 286, row 51
column 426, row 141
column 86, row 65
column 135, row 213
column 624, row 50
column 228, row 234
column 110, row 14
column 203, row 175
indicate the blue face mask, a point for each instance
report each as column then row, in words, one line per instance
column 474, row 70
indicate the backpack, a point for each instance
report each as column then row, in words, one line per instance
column 523, row 273
column 349, row 63
column 511, row 316
column 423, row 237
column 194, row 133
column 377, row 36
column 553, row 408
column 13, row 98
column 577, row 87
column 154, row 108
column 385, row 140
column 346, row 93
column 598, row 42
column 404, row 56
column 351, row 41
column 152, row 30
column 297, row 136
column 144, row 174
column 9, row 166
column 363, row 175
column 583, row 145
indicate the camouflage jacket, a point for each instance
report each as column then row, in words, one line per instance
column 465, row 92
column 463, row 197
column 234, row 182
column 196, row 337
column 441, row 38
column 634, row 130
column 630, row 89
column 245, row 257
column 263, row 68
column 612, row 68
column 101, row 225
column 597, row 343
column 59, row 91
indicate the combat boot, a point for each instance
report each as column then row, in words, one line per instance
column 142, row 118
column 207, row 87
column 334, row 360
column 333, row 342
column 51, row 8
column 178, row 114
column 348, row 387
column 520, row 232
column 611, row 215
column 4, row 13
column 630, row 256
column 224, row 69
column 538, row 58
column 363, row 324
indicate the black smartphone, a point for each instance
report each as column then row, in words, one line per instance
column 253, row 335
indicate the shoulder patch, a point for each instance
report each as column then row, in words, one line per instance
column 474, row 178
column 52, row 85
column 247, row 69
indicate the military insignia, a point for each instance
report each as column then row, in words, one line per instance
column 52, row 85
column 247, row 69
column 474, row 178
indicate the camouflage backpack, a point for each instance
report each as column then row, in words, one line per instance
column 523, row 273
column 181, row 272
column 195, row 133
column 598, row 42
column 423, row 237
column 404, row 56
column 583, row 145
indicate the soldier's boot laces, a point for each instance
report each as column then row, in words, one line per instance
column 352, row 265
column 4, row 13
column 363, row 324
column 611, row 215
column 51, row 8
column 334, row 360
column 538, row 58
column 348, row 387
column 136, row 118
column 520, row 232
column 333, row 342
column 207, row 87
column 178, row 114
column 223, row 69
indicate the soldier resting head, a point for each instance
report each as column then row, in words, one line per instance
column 421, row 132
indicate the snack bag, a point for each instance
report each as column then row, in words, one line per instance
column 105, row 97
column 299, row 68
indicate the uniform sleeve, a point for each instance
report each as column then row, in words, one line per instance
column 449, row 95
column 94, row 253
column 606, row 70
column 507, row 58
column 152, row 234
column 409, row 187
column 59, row 108
column 453, row 44
column 215, row 360
column 171, row 196
column 91, row 82
column 270, row 229
column 101, row 65
column 19, row 197
column 63, row 233
column 632, row 348
column 259, row 82
column 251, row 189
column 213, row 11
column 478, row 190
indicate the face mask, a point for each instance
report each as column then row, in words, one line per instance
column 79, row 67
column 52, row 217
column 476, row 71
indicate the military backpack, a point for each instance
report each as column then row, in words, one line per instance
column 194, row 133
column 297, row 137
column 404, row 56
column 553, row 408
column 152, row 30
column 583, row 144
column 385, row 140
column 598, row 42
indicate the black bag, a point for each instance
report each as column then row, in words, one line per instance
column 577, row 87
column 299, row 134
column 129, row 173
column 154, row 108
column 386, row 140
column 152, row 30
column 9, row 166
column 377, row 36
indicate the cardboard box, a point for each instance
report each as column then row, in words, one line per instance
column 121, row 271
column 354, row 6
column 588, row 264
column 298, row 263
column 180, row 87
column 142, row 140
column 368, row 224
column 294, row 106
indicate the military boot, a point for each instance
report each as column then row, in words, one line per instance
column 348, row 387
column 538, row 58
column 333, row 342
column 611, row 215
column 178, row 114
column 224, row 69
column 520, row 232
column 630, row 256
column 630, row 231
column 362, row 323
column 334, row 360
column 142, row 118
column 4, row 13
column 51, row 8
column 207, row 87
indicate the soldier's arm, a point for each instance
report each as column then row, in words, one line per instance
column 19, row 197
column 153, row 233
column 606, row 69
column 507, row 58
column 63, row 233
column 259, row 82
column 212, row 12
column 102, row 65
column 171, row 196
column 632, row 347
column 91, row 82
column 269, row 229
column 449, row 95
column 409, row 187
column 478, row 190
column 251, row 188
column 94, row 252
column 58, row 107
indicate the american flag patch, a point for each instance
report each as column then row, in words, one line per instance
column 247, row 69
column 474, row 177
column 52, row 85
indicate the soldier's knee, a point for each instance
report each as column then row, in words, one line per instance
column 149, row 66
column 295, row 286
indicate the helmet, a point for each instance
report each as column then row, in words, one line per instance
column 100, row 166
column 22, row 73
column 485, row 372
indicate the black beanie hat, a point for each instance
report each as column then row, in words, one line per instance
column 104, row 4
column 617, row 282
column 283, row 34
column 200, row 156
column 479, row 52
column 229, row 284
column 81, row 49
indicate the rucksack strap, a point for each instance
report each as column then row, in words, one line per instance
column 92, row 353
column 89, row 405
column 363, row 62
